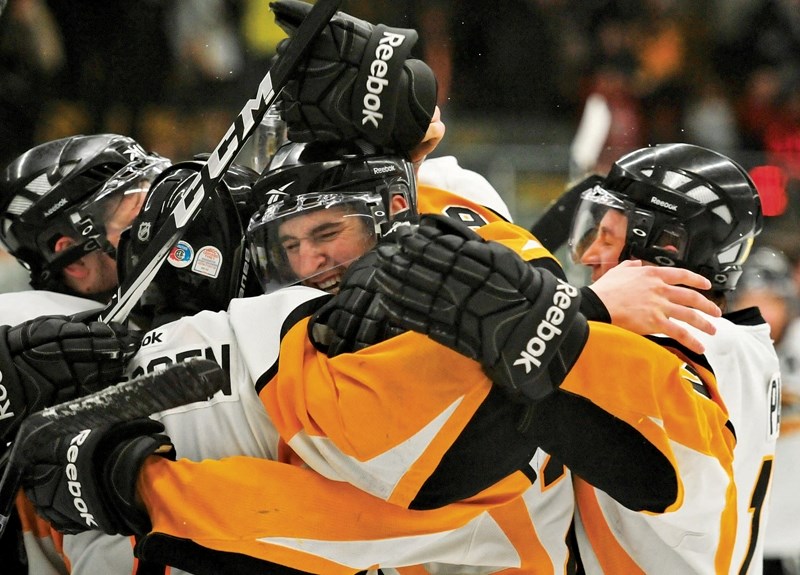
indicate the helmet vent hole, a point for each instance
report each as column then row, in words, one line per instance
column 39, row 185
column 730, row 255
column 675, row 180
column 724, row 213
column 65, row 168
column 703, row 194
column 18, row 205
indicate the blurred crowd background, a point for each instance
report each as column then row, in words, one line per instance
column 514, row 78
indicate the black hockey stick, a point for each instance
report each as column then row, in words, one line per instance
column 204, row 182
column 181, row 384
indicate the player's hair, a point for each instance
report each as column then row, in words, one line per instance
column 210, row 264
column 305, row 177
column 65, row 188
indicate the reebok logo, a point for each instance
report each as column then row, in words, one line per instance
column 548, row 328
column 376, row 81
column 73, row 485
column 382, row 170
column 655, row 201
column 5, row 402
column 55, row 206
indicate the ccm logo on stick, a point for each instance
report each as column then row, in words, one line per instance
column 548, row 328
column 376, row 81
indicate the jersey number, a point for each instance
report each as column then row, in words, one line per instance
column 756, row 505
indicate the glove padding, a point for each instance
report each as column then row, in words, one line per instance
column 352, row 319
column 86, row 480
column 358, row 82
column 484, row 301
column 52, row 359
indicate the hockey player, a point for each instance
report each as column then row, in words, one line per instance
column 679, row 205
column 451, row 364
column 413, row 461
column 767, row 283
column 63, row 205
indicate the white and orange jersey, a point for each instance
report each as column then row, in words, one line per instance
column 711, row 531
column 365, row 427
column 287, row 515
column 446, row 188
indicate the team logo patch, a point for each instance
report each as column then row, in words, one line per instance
column 208, row 261
column 181, row 254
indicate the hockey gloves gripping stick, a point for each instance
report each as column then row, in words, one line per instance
column 482, row 300
column 358, row 82
column 352, row 319
column 52, row 359
column 79, row 461
column 87, row 479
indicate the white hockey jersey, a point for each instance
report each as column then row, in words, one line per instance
column 782, row 538
column 15, row 308
column 692, row 539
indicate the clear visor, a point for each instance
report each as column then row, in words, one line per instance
column 112, row 209
column 604, row 225
column 313, row 238
column 599, row 227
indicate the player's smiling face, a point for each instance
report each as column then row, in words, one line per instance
column 320, row 245
column 603, row 252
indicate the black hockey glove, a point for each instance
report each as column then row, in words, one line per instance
column 481, row 299
column 86, row 480
column 352, row 319
column 52, row 359
column 358, row 82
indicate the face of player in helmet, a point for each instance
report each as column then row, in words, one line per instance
column 313, row 238
column 95, row 274
column 321, row 245
column 604, row 248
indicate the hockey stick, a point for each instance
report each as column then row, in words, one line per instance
column 181, row 384
column 203, row 184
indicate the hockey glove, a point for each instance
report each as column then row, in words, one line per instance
column 87, row 479
column 352, row 319
column 482, row 300
column 357, row 83
column 52, row 359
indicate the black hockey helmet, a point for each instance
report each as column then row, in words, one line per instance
column 210, row 264
column 347, row 183
column 685, row 206
column 69, row 187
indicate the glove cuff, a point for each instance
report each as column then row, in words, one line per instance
column 121, row 473
column 14, row 402
column 414, row 113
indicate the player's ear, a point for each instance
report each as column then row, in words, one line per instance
column 398, row 204
column 77, row 269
